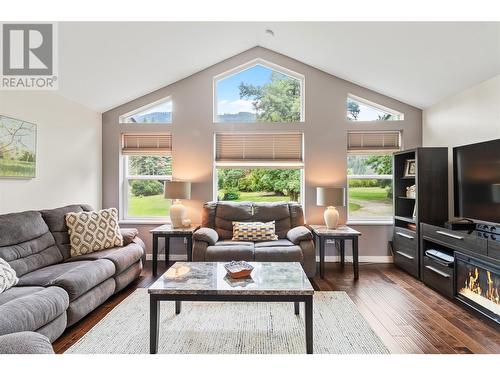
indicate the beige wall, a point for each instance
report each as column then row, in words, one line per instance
column 325, row 134
column 470, row 116
column 68, row 153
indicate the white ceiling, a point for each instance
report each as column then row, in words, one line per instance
column 103, row 65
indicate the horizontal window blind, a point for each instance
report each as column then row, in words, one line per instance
column 147, row 144
column 259, row 147
column 373, row 142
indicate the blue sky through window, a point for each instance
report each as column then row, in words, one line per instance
column 228, row 93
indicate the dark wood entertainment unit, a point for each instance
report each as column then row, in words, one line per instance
column 470, row 251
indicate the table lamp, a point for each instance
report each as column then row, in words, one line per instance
column 330, row 197
column 177, row 190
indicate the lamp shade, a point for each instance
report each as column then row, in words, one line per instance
column 330, row 196
column 177, row 190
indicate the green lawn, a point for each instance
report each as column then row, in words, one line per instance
column 378, row 194
column 261, row 196
column 151, row 206
column 16, row 168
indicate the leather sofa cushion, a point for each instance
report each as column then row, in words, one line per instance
column 122, row 257
column 277, row 212
column 227, row 212
column 55, row 220
column 298, row 234
column 30, row 308
column 278, row 254
column 76, row 278
column 278, row 243
column 225, row 251
column 26, row 243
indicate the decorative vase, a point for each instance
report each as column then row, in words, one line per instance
column 331, row 216
column 178, row 213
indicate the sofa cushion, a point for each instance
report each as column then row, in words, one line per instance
column 278, row 212
column 227, row 212
column 26, row 243
column 25, row 343
column 75, row 278
column 30, row 308
column 253, row 231
column 277, row 243
column 55, row 220
column 8, row 276
column 93, row 231
column 278, row 254
column 225, row 251
column 122, row 257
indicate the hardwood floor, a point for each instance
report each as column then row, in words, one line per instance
column 405, row 314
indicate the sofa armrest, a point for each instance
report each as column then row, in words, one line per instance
column 25, row 343
column 299, row 234
column 128, row 235
column 207, row 235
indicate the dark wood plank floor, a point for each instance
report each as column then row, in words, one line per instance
column 405, row 314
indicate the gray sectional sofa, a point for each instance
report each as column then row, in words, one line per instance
column 55, row 291
column 212, row 242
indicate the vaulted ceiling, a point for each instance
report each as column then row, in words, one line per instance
column 103, row 65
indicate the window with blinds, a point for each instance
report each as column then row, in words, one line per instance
column 159, row 144
column 248, row 148
column 371, row 142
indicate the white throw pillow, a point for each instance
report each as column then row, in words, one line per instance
column 8, row 276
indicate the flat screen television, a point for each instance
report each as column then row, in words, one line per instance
column 476, row 181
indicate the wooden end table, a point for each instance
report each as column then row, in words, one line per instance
column 167, row 232
column 321, row 234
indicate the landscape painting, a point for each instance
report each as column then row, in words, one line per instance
column 17, row 148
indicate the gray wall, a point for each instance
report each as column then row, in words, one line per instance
column 471, row 116
column 325, row 136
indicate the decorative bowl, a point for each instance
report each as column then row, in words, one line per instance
column 238, row 270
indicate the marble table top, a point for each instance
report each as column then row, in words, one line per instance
column 168, row 229
column 322, row 230
column 211, row 278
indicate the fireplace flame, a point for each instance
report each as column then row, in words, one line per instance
column 472, row 285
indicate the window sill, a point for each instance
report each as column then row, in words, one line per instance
column 372, row 222
column 144, row 222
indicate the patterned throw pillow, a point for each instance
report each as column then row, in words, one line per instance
column 254, row 231
column 8, row 276
column 93, row 231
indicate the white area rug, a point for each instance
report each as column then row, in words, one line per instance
column 233, row 328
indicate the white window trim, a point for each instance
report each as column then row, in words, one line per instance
column 255, row 166
column 400, row 115
column 124, row 191
column 145, row 107
column 389, row 220
column 250, row 64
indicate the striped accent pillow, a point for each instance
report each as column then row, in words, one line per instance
column 254, row 231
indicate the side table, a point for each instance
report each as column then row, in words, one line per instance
column 167, row 232
column 321, row 234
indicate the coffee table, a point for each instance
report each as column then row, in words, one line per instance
column 208, row 281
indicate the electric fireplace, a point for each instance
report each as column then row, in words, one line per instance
column 478, row 285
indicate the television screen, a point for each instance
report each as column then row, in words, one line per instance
column 476, row 172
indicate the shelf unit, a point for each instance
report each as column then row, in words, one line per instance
column 430, row 204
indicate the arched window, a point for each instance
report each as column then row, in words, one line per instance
column 258, row 91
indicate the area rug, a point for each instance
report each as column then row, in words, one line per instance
column 232, row 328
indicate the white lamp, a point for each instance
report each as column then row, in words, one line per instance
column 330, row 197
column 177, row 190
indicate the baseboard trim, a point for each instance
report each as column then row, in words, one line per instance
column 332, row 258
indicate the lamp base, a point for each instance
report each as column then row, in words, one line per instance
column 178, row 213
column 331, row 216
